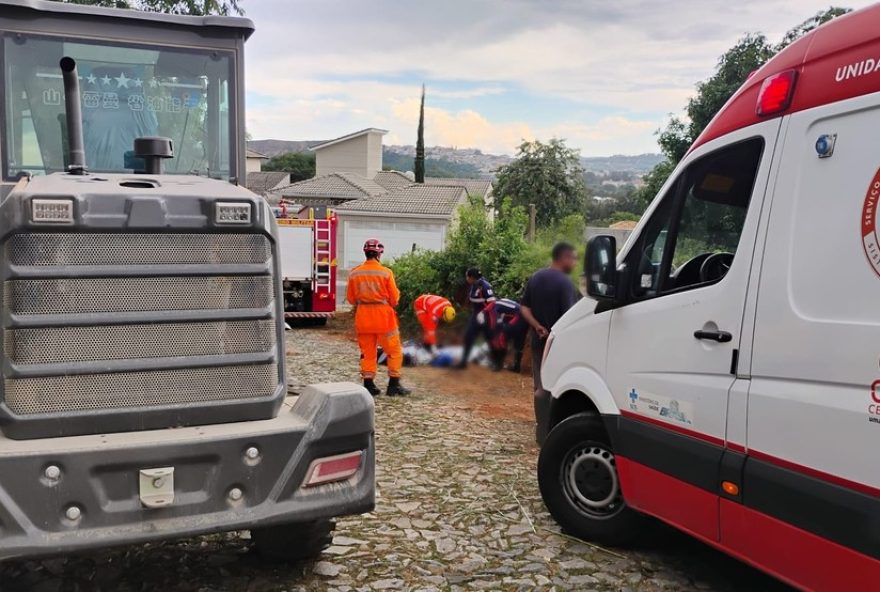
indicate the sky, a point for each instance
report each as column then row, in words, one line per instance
column 603, row 75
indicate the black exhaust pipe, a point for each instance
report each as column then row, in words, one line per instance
column 76, row 163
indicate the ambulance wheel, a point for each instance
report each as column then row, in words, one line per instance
column 578, row 479
column 293, row 542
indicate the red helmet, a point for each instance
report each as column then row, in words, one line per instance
column 374, row 246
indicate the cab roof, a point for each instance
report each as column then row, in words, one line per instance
column 837, row 61
column 240, row 25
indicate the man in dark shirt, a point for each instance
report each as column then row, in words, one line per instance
column 548, row 295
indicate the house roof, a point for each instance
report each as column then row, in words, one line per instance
column 392, row 179
column 474, row 186
column 261, row 182
column 347, row 137
column 414, row 199
column 333, row 186
column 254, row 154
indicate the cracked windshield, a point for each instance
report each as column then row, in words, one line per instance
column 126, row 93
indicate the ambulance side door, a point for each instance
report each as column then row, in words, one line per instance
column 814, row 401
column 673, row 345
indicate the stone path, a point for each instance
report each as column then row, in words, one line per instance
column 458, row 509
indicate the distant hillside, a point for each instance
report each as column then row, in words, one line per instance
column 640, row 163
column 275, row 147
column 443, row 161
column 434, row 167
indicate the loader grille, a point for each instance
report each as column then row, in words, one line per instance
column 89, row 325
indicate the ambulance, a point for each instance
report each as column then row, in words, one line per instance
column 724, row 376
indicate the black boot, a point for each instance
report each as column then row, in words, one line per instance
column 371, row 387
column 395, row 389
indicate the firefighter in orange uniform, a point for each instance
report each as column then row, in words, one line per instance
column 430, row 310
column 374, row 294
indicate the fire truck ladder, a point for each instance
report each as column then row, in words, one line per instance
column 322, row 255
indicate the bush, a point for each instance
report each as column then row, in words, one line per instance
column 498, row 248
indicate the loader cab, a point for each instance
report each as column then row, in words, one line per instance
column 152, row 75
column 724, row 377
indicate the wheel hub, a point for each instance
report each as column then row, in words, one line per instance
column 589, row 480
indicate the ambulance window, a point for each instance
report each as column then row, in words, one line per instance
column 692, row 238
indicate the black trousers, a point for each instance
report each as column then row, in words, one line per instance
column 473, row 330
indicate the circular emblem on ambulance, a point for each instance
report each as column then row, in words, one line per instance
column 870, row 235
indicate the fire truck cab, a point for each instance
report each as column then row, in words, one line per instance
column 724, row 376
column 144, row 392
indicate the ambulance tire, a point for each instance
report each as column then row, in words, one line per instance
column 293, row 542
column 579, row 483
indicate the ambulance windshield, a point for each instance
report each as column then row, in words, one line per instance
column 127, row 92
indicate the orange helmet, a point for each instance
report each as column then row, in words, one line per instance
column 372, row 245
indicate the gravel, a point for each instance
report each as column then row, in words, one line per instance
column 457, row 509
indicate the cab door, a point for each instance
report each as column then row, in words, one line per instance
column 673, row 346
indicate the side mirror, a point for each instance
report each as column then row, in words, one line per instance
column 600, row 267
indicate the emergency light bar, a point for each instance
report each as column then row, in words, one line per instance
column 776, row 93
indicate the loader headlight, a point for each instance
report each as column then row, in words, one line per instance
column 232, row 212
column 52, row 211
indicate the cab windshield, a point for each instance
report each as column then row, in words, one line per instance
column 127, row 92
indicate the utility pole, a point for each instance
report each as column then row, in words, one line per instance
column 533, row 214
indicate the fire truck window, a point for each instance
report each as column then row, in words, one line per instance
column 126, row 92
column 692, row 237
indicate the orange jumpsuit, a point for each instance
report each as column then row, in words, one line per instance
column 429, row 308
column 373, row 292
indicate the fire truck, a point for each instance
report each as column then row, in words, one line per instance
column 143, row 389
column 723, row 377
column 307, row 246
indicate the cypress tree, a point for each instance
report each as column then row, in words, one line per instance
column 420, row 143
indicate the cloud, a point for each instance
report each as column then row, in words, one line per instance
column 608, row 66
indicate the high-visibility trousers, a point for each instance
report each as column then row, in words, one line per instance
column 429, row 327
column 390, row 342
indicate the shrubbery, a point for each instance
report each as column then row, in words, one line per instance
column 498, row 248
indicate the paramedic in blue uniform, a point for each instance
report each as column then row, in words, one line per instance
column 505, row 324
column 480, row 293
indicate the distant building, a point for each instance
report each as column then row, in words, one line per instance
column 359, row 153
column 372, row 203
column 254, row 161
column 415, row 216
column 265, row 183
column 331, row 189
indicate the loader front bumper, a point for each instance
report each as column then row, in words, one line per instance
column 80, row 492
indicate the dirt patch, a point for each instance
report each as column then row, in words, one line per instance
column 497, row 395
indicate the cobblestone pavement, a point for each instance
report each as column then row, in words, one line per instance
column 458, row 509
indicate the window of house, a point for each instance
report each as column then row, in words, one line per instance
column 692, row 236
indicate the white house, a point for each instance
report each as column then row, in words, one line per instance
column 359, row 153
column 254, row 161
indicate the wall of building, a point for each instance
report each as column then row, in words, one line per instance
column 350, row 156
column 253, row 165
column 397, row 234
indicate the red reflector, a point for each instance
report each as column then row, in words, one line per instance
column 776, row 93
column 333, row 468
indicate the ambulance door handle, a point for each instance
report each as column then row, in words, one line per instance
column 719, row 336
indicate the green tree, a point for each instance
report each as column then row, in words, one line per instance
column 548, row 175
column 419, row 167
column 734, row 67
column 300, row 165
column 189, row 7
